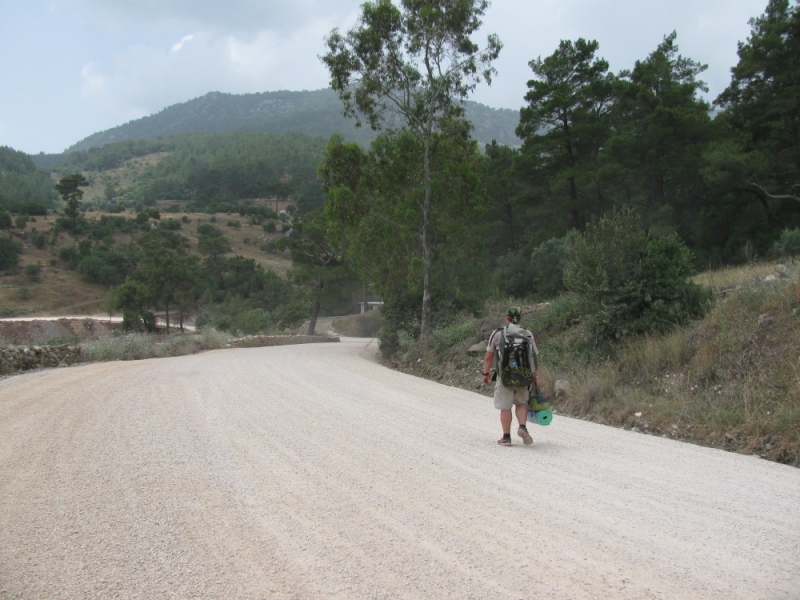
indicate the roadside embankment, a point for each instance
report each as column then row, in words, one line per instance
column 729, row 380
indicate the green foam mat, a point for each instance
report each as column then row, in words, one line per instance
column 540, row 417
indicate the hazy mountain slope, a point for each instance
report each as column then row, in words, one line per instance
column 317, row 113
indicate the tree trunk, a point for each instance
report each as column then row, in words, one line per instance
column 181, row 321
column 575, row 217
column 312, row 324
column 167, row 311
column 427, row 254
column 574, row 212
column 512, row 244
column 794, row 128
column 658, row 190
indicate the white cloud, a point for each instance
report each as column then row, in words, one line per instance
column 93, row 82
column 142, row 79
column 177, row 46
column 238, row 16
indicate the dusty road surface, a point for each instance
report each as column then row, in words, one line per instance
column 313, row 472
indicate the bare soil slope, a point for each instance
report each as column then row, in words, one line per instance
column 219, row 475
column 53, row 331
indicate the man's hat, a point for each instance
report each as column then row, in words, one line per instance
column 514, row 314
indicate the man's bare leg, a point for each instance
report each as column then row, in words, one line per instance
column 522, row 413
column 522, row 416
column 505, row 420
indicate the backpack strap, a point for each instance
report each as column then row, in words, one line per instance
column 498, row 349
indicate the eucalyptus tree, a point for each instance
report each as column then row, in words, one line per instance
column 374, row 197
column 408, row 67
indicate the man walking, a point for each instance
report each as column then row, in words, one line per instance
column 512, row 394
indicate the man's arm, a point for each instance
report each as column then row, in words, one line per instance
column 488, row 359
column 487, row 364
column 535, row 362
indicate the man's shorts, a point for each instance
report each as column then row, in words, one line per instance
column 505, row 398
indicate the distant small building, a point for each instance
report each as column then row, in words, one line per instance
column 368, row 306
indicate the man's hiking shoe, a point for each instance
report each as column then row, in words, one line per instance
column 504, row 441
column 526, row 437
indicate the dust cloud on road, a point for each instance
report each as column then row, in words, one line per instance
column 311, row 471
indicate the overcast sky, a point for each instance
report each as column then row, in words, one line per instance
column 71, row 68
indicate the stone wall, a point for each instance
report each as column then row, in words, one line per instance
column 24, row 358
column 279, row 340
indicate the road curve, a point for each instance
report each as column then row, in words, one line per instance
column 311, row 471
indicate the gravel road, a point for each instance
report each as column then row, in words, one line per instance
column 311, row 471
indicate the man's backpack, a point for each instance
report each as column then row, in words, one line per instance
column 513, row 359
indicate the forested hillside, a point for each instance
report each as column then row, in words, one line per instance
column 202, row 171
column 316, row 113
column 23, row 187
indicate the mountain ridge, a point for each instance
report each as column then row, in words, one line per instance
column 317, row 112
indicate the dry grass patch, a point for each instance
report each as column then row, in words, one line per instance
column 727, row 278
column 137, row 346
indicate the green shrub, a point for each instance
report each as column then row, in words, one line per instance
column 204, row 320
column 628, row 285
column 514, row 274
column 668, row 296
column 9, row 253
column 21, row 221
column 788, row 244
column 33, row 271
column 171, row 224
column 291, row 316
column 5, row 220
column 562, row 313
column 270, row 247
column 224, row 323
column 69, row 254
column 388, row 341
column 547, row 264
column 39, row 240
column 252, row 322
column 445, row 338
column 106, row 265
